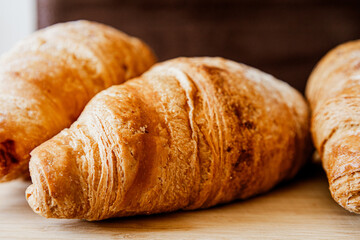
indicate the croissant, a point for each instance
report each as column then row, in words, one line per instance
column 333, row 91
column 190, row 133
column 47, row 79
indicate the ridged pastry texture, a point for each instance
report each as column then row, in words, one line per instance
column 333, row 91
column 47, row 79
column 190, row 133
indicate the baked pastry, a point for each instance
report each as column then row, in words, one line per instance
column 47, row 79
column 333, row 91
column 190, row 133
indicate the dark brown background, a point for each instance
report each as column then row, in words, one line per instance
column 282, row 37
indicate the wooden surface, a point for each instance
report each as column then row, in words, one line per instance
column 300, row 209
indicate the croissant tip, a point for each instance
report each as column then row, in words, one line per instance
column 34, row 196
column 36, row 203
column 30, row 197
column 351, row 202
column 346, row 191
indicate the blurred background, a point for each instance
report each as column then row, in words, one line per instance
column 17, row 19
column 282, row 37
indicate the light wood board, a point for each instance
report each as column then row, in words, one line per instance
column 300, row 209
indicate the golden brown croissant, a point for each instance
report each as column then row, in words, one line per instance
column 189, row 133
column 333, row 91
column 47, row 79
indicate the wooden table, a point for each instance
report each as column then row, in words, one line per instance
column 300, row 209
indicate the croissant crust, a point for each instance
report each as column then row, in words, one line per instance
column 190, row 133
column 47, row 79
column 333, row 92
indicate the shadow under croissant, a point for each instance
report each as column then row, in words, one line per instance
column 236, row 215
column 290, row 203
column 304, row 177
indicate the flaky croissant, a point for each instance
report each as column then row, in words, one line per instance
column 333, row 91
column 189, row 133
column 48, row 78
